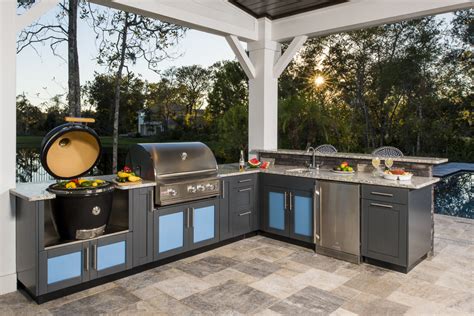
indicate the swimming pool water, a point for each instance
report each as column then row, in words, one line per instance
column 454, row 195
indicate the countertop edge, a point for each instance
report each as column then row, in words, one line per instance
column 412, row 159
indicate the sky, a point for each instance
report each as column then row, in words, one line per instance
column 42, row 75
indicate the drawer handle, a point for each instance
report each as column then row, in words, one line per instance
column 382, row 194
column 381, row 205
column 87, row 258
column 246, row 189
column 246, row 213
column 246, row 180
column 94, row 257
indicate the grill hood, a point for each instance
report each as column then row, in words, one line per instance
column 167, row 162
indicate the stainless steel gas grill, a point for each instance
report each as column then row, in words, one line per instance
column 182, row 171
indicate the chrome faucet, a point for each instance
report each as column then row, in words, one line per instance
column 313, row 165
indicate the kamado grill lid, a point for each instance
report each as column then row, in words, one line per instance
column 70, row 150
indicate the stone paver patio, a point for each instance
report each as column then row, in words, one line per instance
column 266, row 277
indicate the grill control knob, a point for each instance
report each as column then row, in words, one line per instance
column 172, row 192
column 210, row 187
column 201, row 188
column 192, row 189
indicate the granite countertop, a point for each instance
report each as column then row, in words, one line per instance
column 37, row 191
column 358, row 177
column 412, row 159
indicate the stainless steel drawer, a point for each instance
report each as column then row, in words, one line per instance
column 385, row 194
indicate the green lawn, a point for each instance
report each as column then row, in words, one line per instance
column 124, row 142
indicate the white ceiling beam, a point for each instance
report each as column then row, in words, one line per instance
column 34, row 13
column 358, row 14
column 288, row 55
column 241, row 55
column 211, row 16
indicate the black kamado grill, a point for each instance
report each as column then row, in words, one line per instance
column 69, row 151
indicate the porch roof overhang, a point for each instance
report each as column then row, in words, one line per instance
column 222, row 17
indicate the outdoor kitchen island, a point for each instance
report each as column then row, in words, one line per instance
column 281, row 202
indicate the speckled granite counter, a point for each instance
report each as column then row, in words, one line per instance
column 37, row 191
column 341, row 155
column 359, row 177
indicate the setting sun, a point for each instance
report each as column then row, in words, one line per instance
column 319, row 81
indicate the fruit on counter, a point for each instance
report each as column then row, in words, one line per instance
column 126, row 175
column 265, row 165
column 254, row 163
column 134, row 178
column 344, row 166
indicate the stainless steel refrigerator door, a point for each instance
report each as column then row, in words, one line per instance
column 339, row 217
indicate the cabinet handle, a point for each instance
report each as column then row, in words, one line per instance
column 286, row 201
column 94, row 257
column 86, row 264
column 382, row 194
column 315, row 212
column 320, row 214
column 192, row 218
column 187, row 217
column 291, row 201
column 246, row 189
column 245, row 180
column 151, row 201
column 381, row 205
column 246, row 213
column 223, row 189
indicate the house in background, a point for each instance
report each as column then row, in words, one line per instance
column 147, row 127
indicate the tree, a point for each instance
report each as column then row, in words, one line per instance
column 195, row 83
column 100, row 94
column 125, row 38
column 29, row 117
column 64, row 29
column 164, row 101
column 229, row 88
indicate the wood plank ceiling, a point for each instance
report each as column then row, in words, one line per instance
column 275, row 9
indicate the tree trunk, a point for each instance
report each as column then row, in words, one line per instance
column 74, row 85
column 118, row 79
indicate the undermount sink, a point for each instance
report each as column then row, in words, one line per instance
column 300, row 170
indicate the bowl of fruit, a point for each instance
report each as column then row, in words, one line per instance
column 397, row 174
column 126, row 176
column 344, row 168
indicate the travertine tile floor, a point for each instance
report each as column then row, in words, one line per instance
column 266, row 277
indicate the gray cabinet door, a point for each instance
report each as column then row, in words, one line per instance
column 204, row 223
column 225, row 228
column 170, row 231
column 301, row 215
column 384, row 231
column 110, row 255
column 275, row 210
column 63, row 267
column 142, row 209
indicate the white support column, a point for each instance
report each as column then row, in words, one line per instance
column 7, row 144
column 263, row 90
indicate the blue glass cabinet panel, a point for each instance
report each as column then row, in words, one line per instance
column 111, row 255
column 64, row 267
column 171, row 231
column 303, row 215
column 203, row 222
column 276, row 210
